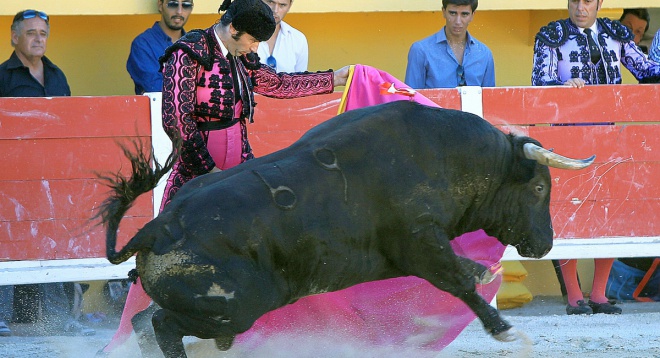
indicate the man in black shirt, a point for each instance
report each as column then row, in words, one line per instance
column 29, row 73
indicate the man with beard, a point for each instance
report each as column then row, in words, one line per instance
column 147, row 47
column 451, row 57
column 286, row 50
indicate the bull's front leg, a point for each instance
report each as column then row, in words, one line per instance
column 482, row 274
column 431, row 257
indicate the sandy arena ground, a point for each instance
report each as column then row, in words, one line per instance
column 545, row 328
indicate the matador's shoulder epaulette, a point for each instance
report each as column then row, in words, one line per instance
column 554, row 34
column 616, row 30
column 195, row 43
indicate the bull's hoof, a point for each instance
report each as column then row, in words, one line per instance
column 224, row 343
column 491, row 273
column 509, row 335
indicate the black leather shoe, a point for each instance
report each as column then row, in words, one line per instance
column 4, row 330
column 607, row 307
column 581, row 308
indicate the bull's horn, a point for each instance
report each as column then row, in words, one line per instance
column 546, row 157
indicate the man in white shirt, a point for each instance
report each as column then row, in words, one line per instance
column 286, row 50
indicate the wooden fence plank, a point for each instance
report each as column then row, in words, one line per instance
column 74, row 117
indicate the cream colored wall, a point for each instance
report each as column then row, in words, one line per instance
column 92, row 50
column 122, row 7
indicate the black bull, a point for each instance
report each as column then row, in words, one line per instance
column 371, row 194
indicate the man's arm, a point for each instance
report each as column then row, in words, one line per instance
column 416, row 67
column 489, row 74
column 638, row 64
column 302, row 57
column 292, row 85
column 144, row 68
column 545, row 70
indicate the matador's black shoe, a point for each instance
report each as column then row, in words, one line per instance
column 607, row 307
column 581, row 308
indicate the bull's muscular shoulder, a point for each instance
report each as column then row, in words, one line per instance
column 616, row 30
column 195, row 43
column 555, row 33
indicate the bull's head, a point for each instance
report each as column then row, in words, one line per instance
column 525, row 197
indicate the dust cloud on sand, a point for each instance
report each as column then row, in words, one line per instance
column 544, row 328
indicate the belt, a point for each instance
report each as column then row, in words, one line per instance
column 216, row 125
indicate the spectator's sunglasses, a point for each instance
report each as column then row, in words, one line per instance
column 460, row 73
column 272, row 62
column 29, row 14
column 186, row 5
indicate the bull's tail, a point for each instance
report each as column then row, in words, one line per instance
column 124, row 191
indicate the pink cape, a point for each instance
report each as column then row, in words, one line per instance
column 405, row 311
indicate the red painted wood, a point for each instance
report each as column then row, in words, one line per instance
column 74, row 117
column 51, row 149
column 444, row 97
column 612, row 103
column 57, row 199
column 620, row 181
column 605, row 218
column 610, row 143
column 62, row 158
column 60, row 238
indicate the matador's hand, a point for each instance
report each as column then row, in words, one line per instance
column 341, row 76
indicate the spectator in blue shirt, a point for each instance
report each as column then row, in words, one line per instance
column 451, row 57
column 142, row 64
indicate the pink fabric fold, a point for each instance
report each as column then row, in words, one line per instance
column 369, row 87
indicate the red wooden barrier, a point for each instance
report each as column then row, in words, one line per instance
column 617, row 198
column 52, row 147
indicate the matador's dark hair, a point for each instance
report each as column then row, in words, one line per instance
column 251, row 16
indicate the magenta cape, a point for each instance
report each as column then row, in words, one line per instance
column 405, row 311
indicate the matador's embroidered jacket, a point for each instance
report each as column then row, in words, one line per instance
column 561, row 53
column 198, row 87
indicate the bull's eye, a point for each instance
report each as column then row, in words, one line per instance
column 540, row 188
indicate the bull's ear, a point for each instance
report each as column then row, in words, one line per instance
column 524, row 169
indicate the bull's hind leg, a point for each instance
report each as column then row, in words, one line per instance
column 168, row 334
column 144, row 332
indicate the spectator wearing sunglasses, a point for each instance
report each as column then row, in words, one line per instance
column 210, row 77
column 286, row 50
column 451, row 57
column 29, row 73
column 147, row 47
